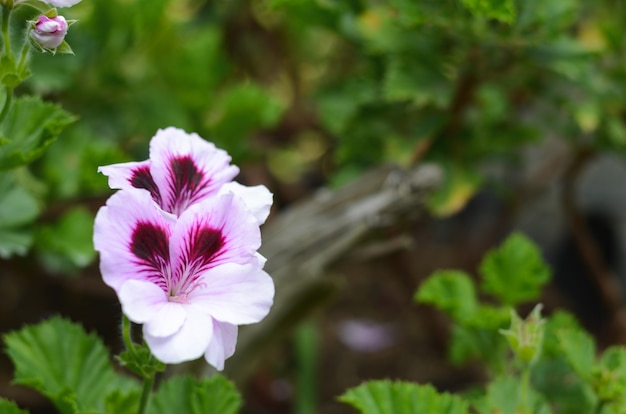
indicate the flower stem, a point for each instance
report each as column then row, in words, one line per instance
column 525, row 407
column 128, row 340
column 7, row 103
column 145, row 393
column 22, row 63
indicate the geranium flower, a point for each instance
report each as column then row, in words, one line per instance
column 190, row 280
column 49, row 32
column 183, row 169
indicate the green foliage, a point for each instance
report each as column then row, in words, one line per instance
column 515, row 272
column 67, row 244
column 502, row 10
column 185, row 394
column 386, row 397
column 28, row 129
column 18, row 208
column 69, row 366
column 579, row 350
column 140, row 360
column 555, row 366
column 452, row 291
column 9, row 407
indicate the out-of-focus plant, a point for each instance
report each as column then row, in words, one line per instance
column 329, row 89
column 534, row 365
column 28, row 125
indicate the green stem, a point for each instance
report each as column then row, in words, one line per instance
column 599, row 407
column 525, row 407
column 128, row 340
column 145, row 393
column 7, row 103
column 23, row 57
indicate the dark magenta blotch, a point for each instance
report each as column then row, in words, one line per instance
column 150, row 244
column 205, row 245
column 142, row 178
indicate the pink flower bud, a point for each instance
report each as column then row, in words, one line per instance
column 49, row 32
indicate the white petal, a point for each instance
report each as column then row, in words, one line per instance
column 223, row 344
column 209, row 169
column 258, row 199
column 141, row 300
column 237, row 294
column 120, row 174
column 114, row 227
column 145, row 302
column 225, row 215
column 188, row 343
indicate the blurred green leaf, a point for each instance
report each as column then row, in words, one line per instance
column 188, row 395
column 67, row 243
column 9, row 407
column 386, row 397
column 121, row 402
column 452, row 291
column 71, row 367
column 514, row 272
column 18, row 209
column 609, row 376
column 502, row 10
column 504, row 396
column 244, row 108
column 554, row 378
column 30, row 126
column 579, row 350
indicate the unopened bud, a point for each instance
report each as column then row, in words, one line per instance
column 49, row 32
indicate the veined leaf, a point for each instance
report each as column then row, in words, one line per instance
column 196, row 396
column 515, row 271
column 386, row 397
column 66, row 364
column 29, row 127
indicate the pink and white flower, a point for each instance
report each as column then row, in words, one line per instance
column 189, row 278
column 183, row 169
column 61, row 3
column 49, row 32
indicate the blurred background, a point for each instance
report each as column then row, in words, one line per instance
column 519, row 105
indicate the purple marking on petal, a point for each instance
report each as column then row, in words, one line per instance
column 187, row 183
column 142, row 178
column 204, row 246
column 150, row 245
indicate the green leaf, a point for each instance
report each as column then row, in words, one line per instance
column 18, row 209
column 557, row 322
column 515, row 271
column 30, row 127
column 66, row 244
column 141, row 361
column 386, row 397
column 579, row 350
column 60, row 360
column 189, row 395
column 242, row 110
column 502, row 10
column 609, row 376
column 121, row 402
column 452, row 291
column 469, row 343
column 17, row 206
column 554, row 377
column 9, row 407
column 504, row 396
